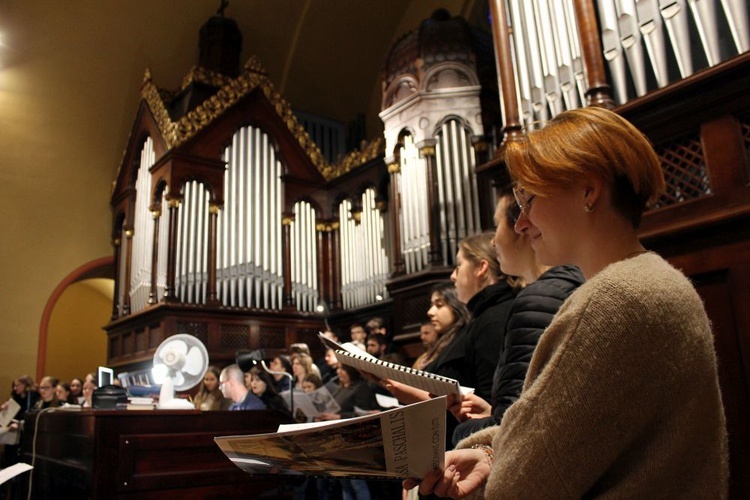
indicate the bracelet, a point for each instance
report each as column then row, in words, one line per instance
column 488, row 452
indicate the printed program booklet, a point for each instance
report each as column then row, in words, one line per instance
column 403, row 442
column 363, row 361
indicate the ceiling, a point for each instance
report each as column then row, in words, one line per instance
column 324, row 57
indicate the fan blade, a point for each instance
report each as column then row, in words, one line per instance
column 175, row 345
column 193, row 362
column 178, row 380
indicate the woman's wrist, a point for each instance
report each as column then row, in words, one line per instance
column 489, row 453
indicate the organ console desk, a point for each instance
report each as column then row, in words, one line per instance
column 103, row 454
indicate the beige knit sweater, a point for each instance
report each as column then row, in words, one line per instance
column 621, row 399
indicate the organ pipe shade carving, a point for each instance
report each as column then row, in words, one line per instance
column 364, row 261
column 304, row 257
column 249, row 268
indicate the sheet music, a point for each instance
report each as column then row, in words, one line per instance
column 430, row 382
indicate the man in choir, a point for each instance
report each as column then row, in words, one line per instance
column 377, row 346
column 232, row 384
column 358, row 335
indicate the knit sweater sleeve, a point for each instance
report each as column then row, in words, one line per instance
column 606, row 374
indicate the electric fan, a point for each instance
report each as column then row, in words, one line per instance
column 180, row 362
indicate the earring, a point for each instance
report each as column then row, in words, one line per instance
column 588, row 207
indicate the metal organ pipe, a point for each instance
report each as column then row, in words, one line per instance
column 249, row 273
column 304, row 261
column 458, row 194
column 143, row 232
column 364, row 261
column 415, row 238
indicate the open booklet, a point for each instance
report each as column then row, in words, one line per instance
column 399, row 443
column 9, row 412
column 312, row 404
column 363, row 361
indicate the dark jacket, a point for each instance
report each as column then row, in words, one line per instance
column 472, row 356
column 359, row 394
column 531, row 312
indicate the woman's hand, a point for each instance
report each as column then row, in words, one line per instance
column 465, row 471
column 471, row 406
column 406, row 394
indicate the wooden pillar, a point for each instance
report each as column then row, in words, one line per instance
column 394, row 167
column 152, row 292
column 327, row 261
column 286, row 248
column 128, row 234
column 599, row 92
column 213, row 216
column 116, row 242
column 173, row 205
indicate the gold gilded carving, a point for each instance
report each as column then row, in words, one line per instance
column 231, row 90
column 394, row 168
column 214, row 209
column 428, row 151
column 173, row 202
column 381, row 205
column 128, row 233
column 327, row 227
column 156, row 214
column 287, row 220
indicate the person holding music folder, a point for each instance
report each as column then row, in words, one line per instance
column 622, row 398
column 532, row 311
column 488, row 293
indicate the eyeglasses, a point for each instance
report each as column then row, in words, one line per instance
column 523, row 199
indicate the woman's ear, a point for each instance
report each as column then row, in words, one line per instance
column 482, row 269
column 592, row 193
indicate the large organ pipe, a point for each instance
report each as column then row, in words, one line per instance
column 143, row 232
column 579, row 69
column 630, row 38
column 521, row 68
column 675, row 15
column 563, row 54
column 737, row 17
column 650, row 23
column 250, row 270
column 538, row 98
column 613, row 48
column 704, row 14
column 547, row 50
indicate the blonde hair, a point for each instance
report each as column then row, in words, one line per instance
column 589, row 141
column 477, row 248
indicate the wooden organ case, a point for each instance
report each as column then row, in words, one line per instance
column 224, row 226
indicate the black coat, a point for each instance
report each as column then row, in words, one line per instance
column 472, row 356
column 531, row 312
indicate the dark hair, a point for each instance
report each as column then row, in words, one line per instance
column 461, row 315
column 314, row 379
column 354, row 375
column 265, row 378
column 286, row 362
column 377, row 337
